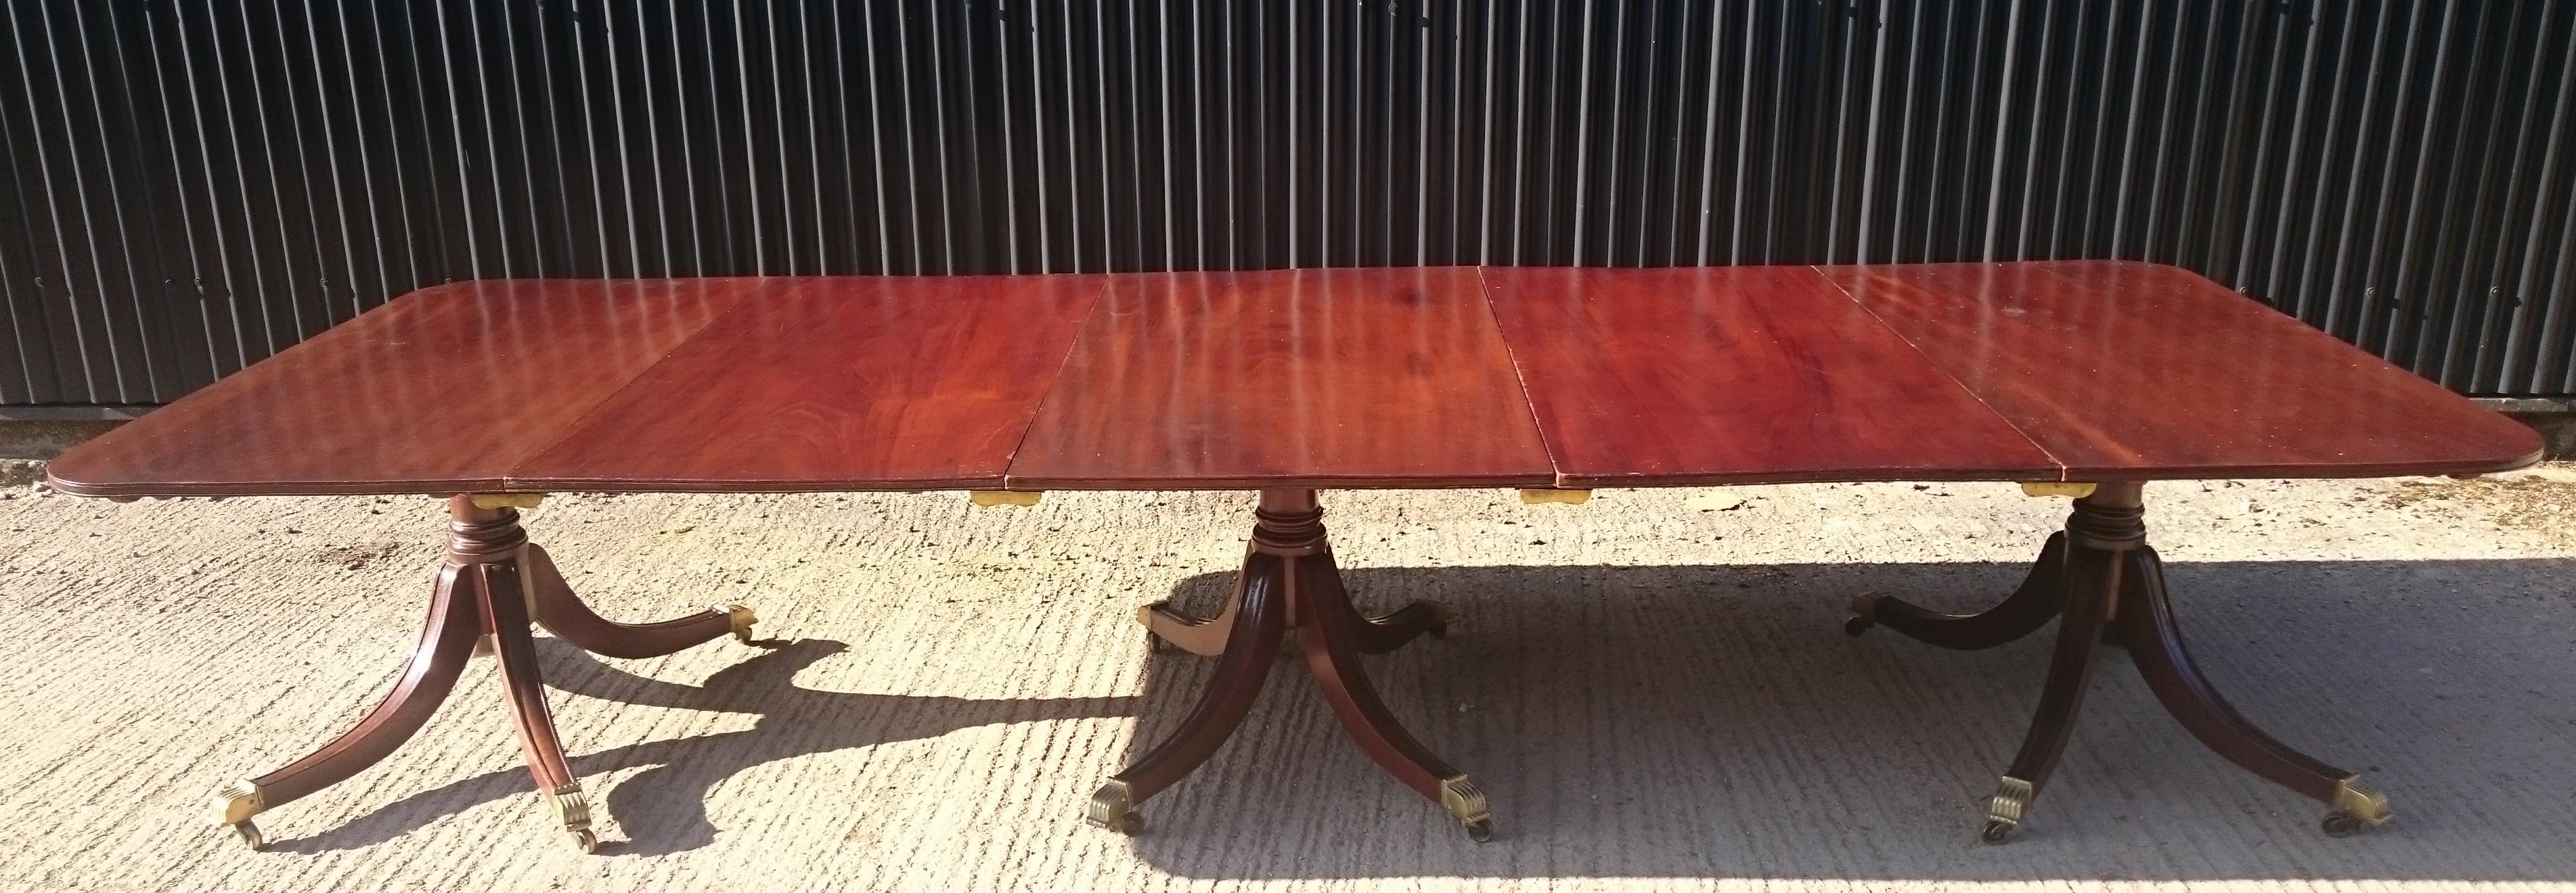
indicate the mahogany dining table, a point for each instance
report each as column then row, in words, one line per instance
column 2081, row 379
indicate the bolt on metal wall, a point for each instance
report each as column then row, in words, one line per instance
column 192, row 185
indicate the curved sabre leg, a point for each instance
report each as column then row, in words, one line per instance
column 2038, row 599
column 491, row 587
column 1391, row 630
column 2155, row 645
column 2092, row 575
column 1167, row 626
column 446, row 645
column 1381, row 633
column 1288, row 579
column 524, row 686
column 1330, row 632
column 1240, row 671
column 562, row 612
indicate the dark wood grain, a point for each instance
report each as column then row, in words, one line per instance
column 1740, row 374
column 2141, row 371
column 1307, row 378
column 856, row 383
column 441, row 390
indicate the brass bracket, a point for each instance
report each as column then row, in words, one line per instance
column 1463, row 800
column 2075, row 489
column 2362, row 802
column 2011, row 801
column 1557, row 496
column 507, row 500
column 237, row 802
column 572, row 811
column 990, row 498
column 740, row 617
column 1114, row 808
column 571, row 806
column 1865, row 606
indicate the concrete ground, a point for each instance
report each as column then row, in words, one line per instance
column 1654, row 688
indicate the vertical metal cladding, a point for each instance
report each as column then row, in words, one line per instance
column 192, row 185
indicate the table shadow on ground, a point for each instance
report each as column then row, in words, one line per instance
column 662, row 809
column 1715, row 721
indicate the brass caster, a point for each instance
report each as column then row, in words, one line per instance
column 1114, row 808
column 741, row 618
column 572, row 811
column 1154, row 644
column 2356, row 806
column 2005, row 810
column 1864, row 614
column 233, row 807
column 1467, row 804
column 250, row 836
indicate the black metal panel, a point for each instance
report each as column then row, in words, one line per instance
column 191, row 185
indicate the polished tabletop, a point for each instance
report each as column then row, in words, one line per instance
column 1432, row 377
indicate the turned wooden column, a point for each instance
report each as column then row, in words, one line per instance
column 2103, row 584
column 1289, row 581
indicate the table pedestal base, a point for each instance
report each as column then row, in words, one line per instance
column 2102, row 583
column 491, row 586
column 1289, row 581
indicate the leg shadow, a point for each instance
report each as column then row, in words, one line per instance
column 663, row 809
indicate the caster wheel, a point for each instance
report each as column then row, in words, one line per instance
column 1855, row 625
column 1481, row 832
column 1131, row 824
column 1995, row 832
column 2339, row 824
column 250, row 836
column 583, row 840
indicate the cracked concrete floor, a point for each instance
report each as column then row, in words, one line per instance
column 1654, row 689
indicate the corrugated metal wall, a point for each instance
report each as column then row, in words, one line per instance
column 194, row 184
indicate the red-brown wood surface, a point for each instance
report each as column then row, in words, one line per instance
column 1713, row 375
column 1316, row 378
column 1307, row 378
column 2132, row 370
column 850, row 383
column 443, row 389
